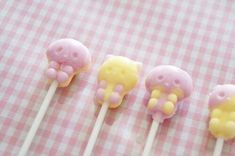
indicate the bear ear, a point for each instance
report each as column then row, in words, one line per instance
column 139, row 66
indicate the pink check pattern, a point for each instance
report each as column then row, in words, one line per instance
column 196, row 35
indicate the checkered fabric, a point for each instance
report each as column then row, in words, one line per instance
column 196, row 35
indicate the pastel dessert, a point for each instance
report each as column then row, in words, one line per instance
column 222, row 111
column 67, row 57
column 116, row 77
column 168, row 85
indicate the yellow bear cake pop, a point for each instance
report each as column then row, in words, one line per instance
column 116, row 77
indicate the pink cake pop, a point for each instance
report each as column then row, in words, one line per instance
column 67, row 57
column 168, row 85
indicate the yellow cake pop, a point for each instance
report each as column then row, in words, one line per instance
column 222, row 111
column 116, row 77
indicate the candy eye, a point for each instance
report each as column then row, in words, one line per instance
column 177, row 81
column 221, row 95
column 160, row 77
column 75, row 54
column 59, row 49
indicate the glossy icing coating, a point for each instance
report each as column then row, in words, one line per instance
column 67, row 57
column 222, row 111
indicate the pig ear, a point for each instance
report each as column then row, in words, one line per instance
column 139, row 66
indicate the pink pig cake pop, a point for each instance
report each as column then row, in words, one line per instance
column 168, row 86
column 67, row 57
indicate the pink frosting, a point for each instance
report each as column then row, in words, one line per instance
column 169, row 77
column 220, row 94
column 115, row 95
column 69, row 52
column 66, row 57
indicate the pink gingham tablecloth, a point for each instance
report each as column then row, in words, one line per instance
column 196, row 35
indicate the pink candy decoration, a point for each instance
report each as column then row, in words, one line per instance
column 62, row 76
column 51, row 73
column 115, row 95
column 114, row 98
column 220, row 94
column 67, row 69
column 100, row 94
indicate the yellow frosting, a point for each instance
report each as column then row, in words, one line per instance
column 118, row 70
column 172, row 98
column 222, row 119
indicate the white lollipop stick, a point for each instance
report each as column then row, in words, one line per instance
column 150, row 139
column 38, row 119
column 218, row 147
column 96, row 130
